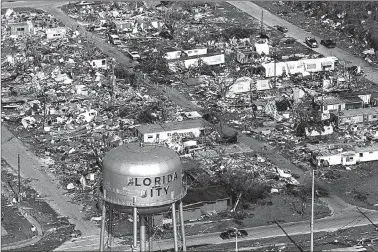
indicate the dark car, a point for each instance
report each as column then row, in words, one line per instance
column 232, row 233
column 329, row 43
column 311, row 42
column 281, row 28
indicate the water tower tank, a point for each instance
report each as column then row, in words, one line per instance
column 148, row 177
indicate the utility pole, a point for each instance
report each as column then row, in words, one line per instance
column 262, row 22
column 275, row 67
column 19, row 178
column 236, row 239
column 312, row 210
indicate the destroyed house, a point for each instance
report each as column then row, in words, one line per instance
column 245, row 56
column 325, row 156
column 193, row 61
column 152, row 133
column 56, row 33
column 22, row 28
column 355, row 116
column 124, row 25
column 327, row 130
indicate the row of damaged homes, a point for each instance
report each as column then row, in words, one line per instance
column 343, row 155
column 353, row 108
column 303, row 66
column 350, row 110
column 55, row 33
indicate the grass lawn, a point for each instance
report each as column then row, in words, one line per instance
column 17, row 226
column 357, row 187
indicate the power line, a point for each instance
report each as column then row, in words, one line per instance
column 375, row 225
column 288, row 236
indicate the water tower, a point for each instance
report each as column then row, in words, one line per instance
column 142, row 180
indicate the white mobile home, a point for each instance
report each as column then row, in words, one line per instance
column 327, row 157
column 173, row 54
column 241, row 85
column 303, row 66
column 152, row 133
column 209, row 59
column 99, row 63
column 56, row 33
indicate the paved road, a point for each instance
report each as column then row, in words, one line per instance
column 342, row 220
column 34, row 169
column 300, row 35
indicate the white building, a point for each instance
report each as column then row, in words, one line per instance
column 55, row 33
column 209, row 59
column 262, row 48
column 173, row 54
column 152, row 133
column 241, row 85
column 327, row 157
column 262, row 85
column 304, row 66
column 22, row 28
column 99, row 63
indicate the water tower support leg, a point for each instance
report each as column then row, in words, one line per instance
column 110, row 232
column 150, row 230
column 174, row 226
column 103, row 219
column 182, row 227
column 135, row 227
column 142, row 223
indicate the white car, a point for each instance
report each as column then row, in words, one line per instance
column 82, row 3
column 134, row 55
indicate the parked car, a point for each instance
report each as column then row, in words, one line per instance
column 329, row 43
column 134, row 55
column 232, row 233
column 281, row 28
column 114, row 39
column 83, row 3
column 311, row 42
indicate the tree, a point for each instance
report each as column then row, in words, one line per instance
column 244, row 183
column 156, row 65
column 307, row 117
